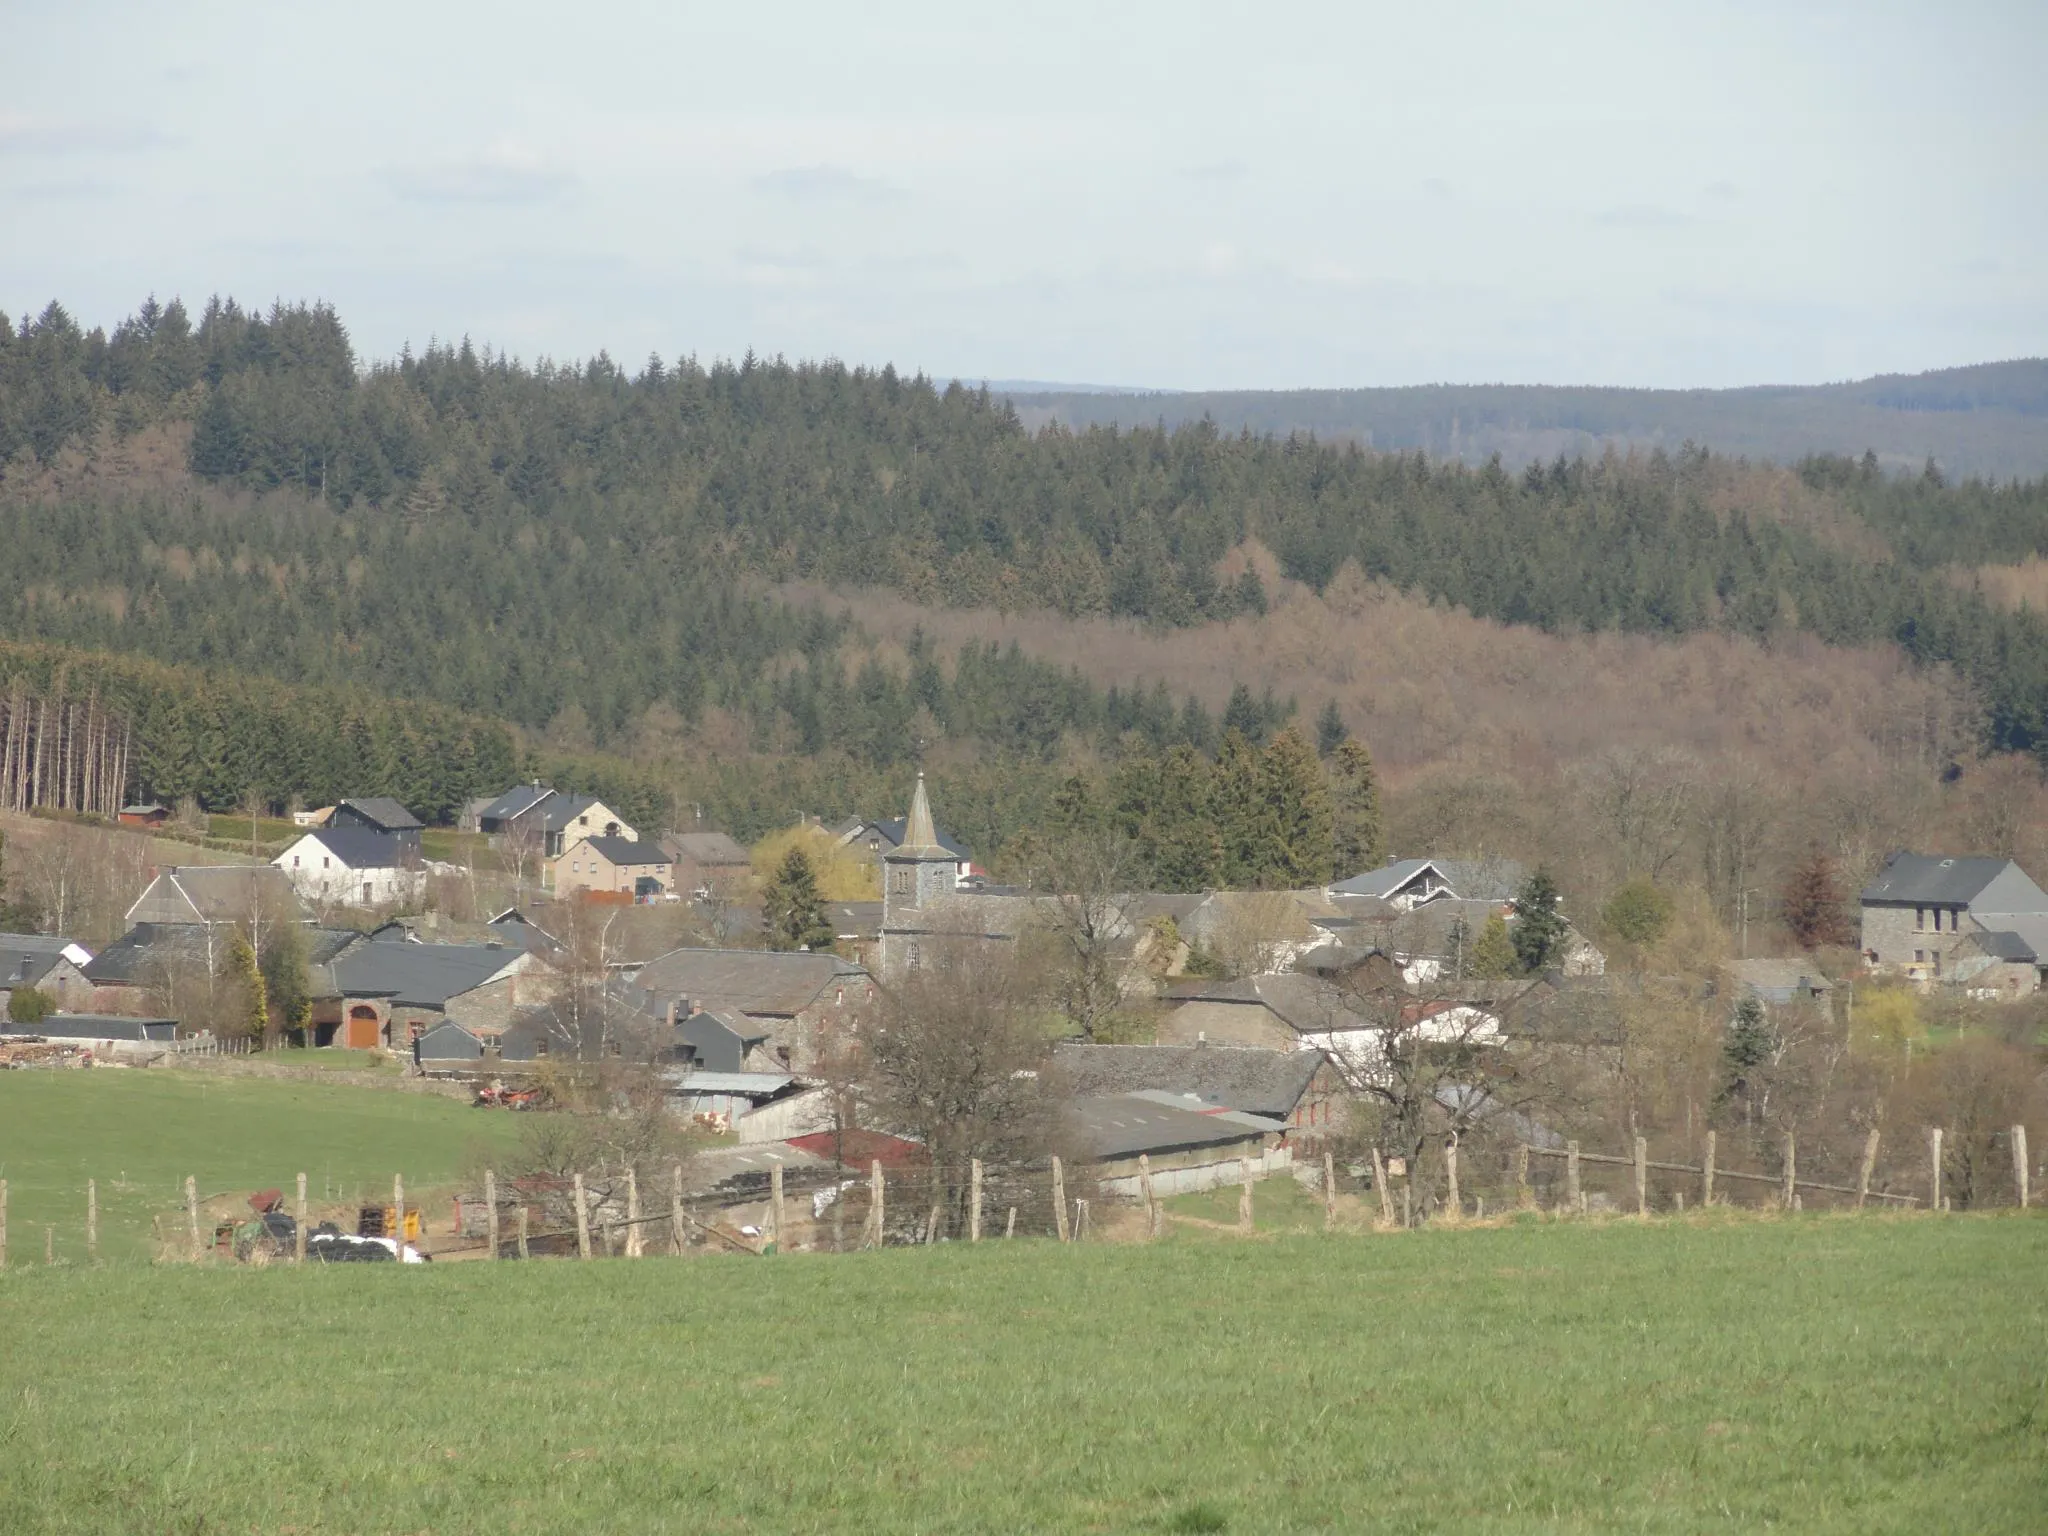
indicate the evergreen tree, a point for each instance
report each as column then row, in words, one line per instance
column 1359, row 834
column 1539, row 930
column 285, row 984
column 1750, row 1044
column 1246, row 826
column 1181, row 840
column 1812, row 904
column 216, row 449
column 1331, row 732
column 1304, row 823
column 247, row 1014
column 1493, row 953
column 793, row 908
column 1243, row 715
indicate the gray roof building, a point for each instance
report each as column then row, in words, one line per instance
column 26, row 958
column 359, row 847
column 1124, row 1126
column 624, row 852
column 217, row 893
column 420, row 975
column 1412, row 882
column 1259, row 1082
column 496, row 815
column 93, row 1026
column 1919, row 879
column 379, row 813
column 761, row 983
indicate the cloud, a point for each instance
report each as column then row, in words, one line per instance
column 1220, row 170
column 825, row 184
column 1723, row 189
column 1642, row 216
column 502, row 175
column 22, row 134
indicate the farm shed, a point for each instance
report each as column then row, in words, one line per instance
column 1187, row 1149
column 447, row 1044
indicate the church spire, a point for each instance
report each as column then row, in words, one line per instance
column 918, row 833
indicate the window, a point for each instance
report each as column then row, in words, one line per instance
column 1919, row 919
column 1919, row 957
column 295, row 861
column 540, row 1045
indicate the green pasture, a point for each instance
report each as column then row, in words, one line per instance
column 139, row 1133
column 1809, row 1374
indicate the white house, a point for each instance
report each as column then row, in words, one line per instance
column 350, row 867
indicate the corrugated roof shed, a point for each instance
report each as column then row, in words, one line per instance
column 1124, row 1126
column 93, row 1026
column 1262, row 1082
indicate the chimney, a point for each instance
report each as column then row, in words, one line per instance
column 1201, row 1037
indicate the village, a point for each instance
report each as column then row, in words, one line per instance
column 1347, row 1037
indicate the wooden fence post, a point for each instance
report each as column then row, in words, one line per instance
column 675, row 1209
column 299, row 1221
column 1379, row 1183
column 1244, row 1194
column 1145, row 1193
column 634, row 1247
column 775, row 1205
column 582, row 1222
column 1010, row 1224
column 92, row 1221
column 974, row 1200
column 2019, row 1164
column 490, row 1214
column 1788, row 1190
column 1571, row 1175
column 523, row 1253
column 398, row 1212
column 1642, row 1178
column 1329, row 1191
column 3, row 1223
column 1707, row 1175
column 877, row 1192
column 1457, row 1201
column 1059, row 1200
column 192, row 1212
column 1934, row 1168
column 1524, row 1195
column 1869, row 1166
column 1407, row 1204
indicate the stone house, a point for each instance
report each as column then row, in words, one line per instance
column 52, row 965
column 566, row 819
column 708, row 861
column 783, row 1007
column 1300, row 1091
column 1977, row 923
column 385, row 992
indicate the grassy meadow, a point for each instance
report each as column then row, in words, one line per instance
column 140, row 1133
column 1813, row 1374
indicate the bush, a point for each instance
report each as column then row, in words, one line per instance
column 1639, row 913
column 28, row 1005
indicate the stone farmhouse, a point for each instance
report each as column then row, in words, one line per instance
column 1977, row 923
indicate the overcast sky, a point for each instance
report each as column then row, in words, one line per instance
column 1177, row 195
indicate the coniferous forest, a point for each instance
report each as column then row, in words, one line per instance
column 514, row 542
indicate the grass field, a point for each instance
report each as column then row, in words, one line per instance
column 1814, row 1374
column 140, row 1133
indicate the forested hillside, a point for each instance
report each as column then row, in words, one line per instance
column 533, row 540
column 1990, row 419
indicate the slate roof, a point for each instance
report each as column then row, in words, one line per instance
column 1306, row 1004
column 563, row 809
column 1122, row 1125
column 26, row 958
column 514, row 803
column 354, row 847
column 130, row 959
column 448, row 1041
column 1779, row 981
column 623, row 851
column 385, row 812
column 751, row 981
column 1919, row 877
column 892, row 834
column 2009, row 946
column 707, row 850
column 419, row 975
column 719, row 1041
column 93, row 1026
column 1471, row 879
column 214, row 893
column 1260, row 1082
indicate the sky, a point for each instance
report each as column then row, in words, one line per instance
column 1176, row 195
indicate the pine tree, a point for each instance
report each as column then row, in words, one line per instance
column 1493, row 952
column 1299, row 799
column 1243, row 715
column 1812, row 904
column 1245, row 823
column 1331, row 732
column 792, row 907
column 217, row 449
column 1539, row 931
column 1182, row 840
column 1749, row 1045
column 1359, row 834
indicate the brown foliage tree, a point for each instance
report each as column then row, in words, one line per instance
column 1812, row 904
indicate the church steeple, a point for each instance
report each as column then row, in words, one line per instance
column 919, row 835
